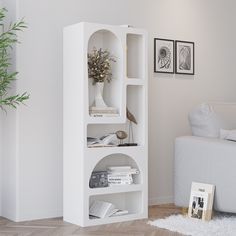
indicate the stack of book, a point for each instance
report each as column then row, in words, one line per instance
column 103, row 112
column 121, row 175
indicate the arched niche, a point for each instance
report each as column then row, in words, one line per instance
column 119, row 159
column 108, row 40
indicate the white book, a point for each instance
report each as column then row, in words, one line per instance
column 102, row 209
column 103, row 112
column 119, row 180
column 104, row 115
column 120, row 183
column 119, row 177
column 103, row 109
column 104, row 141
column 101, row 145
column 118, row 168
column 123, row 172
column 120, row 212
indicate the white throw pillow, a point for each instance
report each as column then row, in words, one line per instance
column 228, row 134
column 204, row 121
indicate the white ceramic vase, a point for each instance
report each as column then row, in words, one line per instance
column 99, row 102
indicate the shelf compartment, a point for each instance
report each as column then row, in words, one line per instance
column 135, row 104
column 112, row 94
column 135, row 56
column 98, row 127
column 118, row 159
column 116, row 189
column 99, row 130
column 131, row 201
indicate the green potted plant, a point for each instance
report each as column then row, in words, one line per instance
column 8, row 38
column 99, row 69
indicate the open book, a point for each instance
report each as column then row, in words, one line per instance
column 104, row 141
column 102, row 209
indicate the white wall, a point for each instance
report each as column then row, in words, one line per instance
column 9, row 162
column 39, row 60
column 209, row 25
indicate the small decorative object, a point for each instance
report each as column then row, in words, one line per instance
column 184, row 60
column 98, row 179
column 99, row 69
column 201, row 201
column 99, row 102
column 163, row 55
column 131, row 118
column 121, row 135
column 8, row 38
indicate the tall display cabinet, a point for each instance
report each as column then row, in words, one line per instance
column 128, row 88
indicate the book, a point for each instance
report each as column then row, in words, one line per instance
column 201, row 201
column 119, row 184
column 132, row 171
column 122, row 170
column 198, row 205
column 104, row 141
column 101, row 145
column 104, row 115
column 102, row 209
column 120, row 212
column 117, row 168
column 121, row 175
column 98, row 109
column 103, row 112
column 119, row 179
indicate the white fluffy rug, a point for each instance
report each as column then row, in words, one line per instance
column 219, row 226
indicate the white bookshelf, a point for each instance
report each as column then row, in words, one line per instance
column 127, row 89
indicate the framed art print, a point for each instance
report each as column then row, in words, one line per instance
column 163, row 55
column 184, row 57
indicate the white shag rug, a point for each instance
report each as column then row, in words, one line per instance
column 219, row 226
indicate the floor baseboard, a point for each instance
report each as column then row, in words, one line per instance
column 160, row 200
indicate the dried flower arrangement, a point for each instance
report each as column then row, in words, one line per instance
column 99, row 65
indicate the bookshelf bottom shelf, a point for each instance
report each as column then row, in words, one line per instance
column 114, row 219
column 131, row 203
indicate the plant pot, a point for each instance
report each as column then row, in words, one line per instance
column 99, row 102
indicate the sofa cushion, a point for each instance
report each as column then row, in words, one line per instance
column 228, row 134
column 204, row 121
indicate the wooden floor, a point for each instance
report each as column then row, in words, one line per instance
column 56, row 226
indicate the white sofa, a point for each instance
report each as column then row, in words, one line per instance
column 206, row 160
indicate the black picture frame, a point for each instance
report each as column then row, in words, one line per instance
column 164, row 55
column 184, row 57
